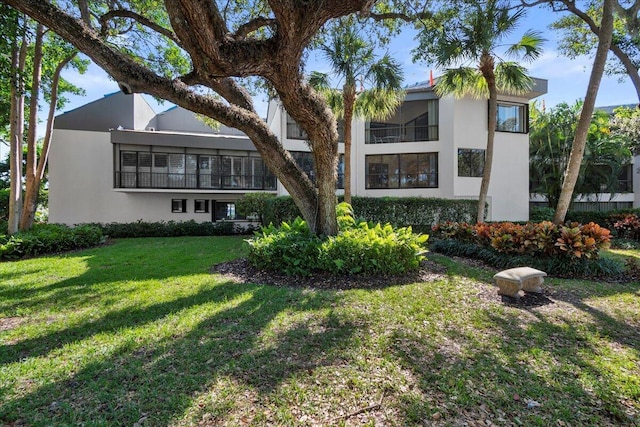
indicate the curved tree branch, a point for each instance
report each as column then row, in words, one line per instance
column 253, row 25
column 122, row 13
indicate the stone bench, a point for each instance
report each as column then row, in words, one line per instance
column 511, row 281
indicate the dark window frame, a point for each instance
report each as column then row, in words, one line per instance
column 400, row 178
column 467, row 168
column 179, row 205
column 524, row 120
column 204, row 208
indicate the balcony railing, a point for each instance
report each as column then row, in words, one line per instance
column 294, row 131
column 194, row 181
column 398, row 133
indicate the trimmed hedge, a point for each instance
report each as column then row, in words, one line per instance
column 418, row 212
column 173, row 229
column 48, row 238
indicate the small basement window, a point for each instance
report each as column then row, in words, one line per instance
column 201, row 206
column 178, row 205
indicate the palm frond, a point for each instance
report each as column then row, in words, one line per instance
column 319, row 81
column 378, row 103
column 386, row 74
column 512, row 78
column 462, row 81
column 529, row 48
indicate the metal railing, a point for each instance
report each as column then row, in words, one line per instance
column 400, row 133
column 197, row 181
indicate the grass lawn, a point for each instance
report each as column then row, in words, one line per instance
column 139, row 333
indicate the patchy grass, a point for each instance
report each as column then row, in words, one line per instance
column 140, row 333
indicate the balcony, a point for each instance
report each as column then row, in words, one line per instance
column 414, row 121
column 207, row 181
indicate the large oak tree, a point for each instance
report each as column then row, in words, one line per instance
column 207, row 47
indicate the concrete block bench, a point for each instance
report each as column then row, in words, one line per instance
column 511, row 281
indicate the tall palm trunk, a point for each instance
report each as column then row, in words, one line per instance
column 31, row 168
column 349, row 94
column 487, row 66
column 580, row 139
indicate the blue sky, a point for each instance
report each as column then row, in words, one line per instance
column 567, row 78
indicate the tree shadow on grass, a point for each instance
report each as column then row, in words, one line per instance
column 124, row 261
column 517, row 372
column 158, row 381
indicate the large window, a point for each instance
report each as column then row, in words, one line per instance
column 294, row 131
column 414, row 170
column 146, row 169
column 304, row 159
column 512, row 118
column 470, row 162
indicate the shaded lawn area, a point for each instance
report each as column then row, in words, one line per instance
column 141, row 333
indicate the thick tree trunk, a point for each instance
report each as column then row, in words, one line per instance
column 31, row 182
column 349, row 94
column 16, row 133
column 487, row 70
column 217, row 56
column 582, row 129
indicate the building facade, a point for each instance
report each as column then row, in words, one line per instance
column 116, row 160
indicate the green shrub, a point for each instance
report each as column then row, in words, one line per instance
column 418, row 212
column 254, row 205
column 372, row 249
column 290, row 248
column 172, row 229
column 538, row 214
column 48, row 238
column 359, row 248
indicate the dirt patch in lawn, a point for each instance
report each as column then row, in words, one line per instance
column 8, row 323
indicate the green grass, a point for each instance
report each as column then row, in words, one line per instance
column 141, row 332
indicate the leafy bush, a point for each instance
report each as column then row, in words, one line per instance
column 290, row 248
column 48, row 238
column 556, row 266
column 543, row 239
column 628, row 226
column 360, row 247
column 172, row 229
column 254, row 205
column 538, row 214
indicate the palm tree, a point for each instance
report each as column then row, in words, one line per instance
column 474, row 37
column 353, row 60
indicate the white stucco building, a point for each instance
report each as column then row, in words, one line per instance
column 116, row 160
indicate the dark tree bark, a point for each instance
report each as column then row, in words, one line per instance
column 217, row 55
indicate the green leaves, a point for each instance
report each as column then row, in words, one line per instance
column 359, row 248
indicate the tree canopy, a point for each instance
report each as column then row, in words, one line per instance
column 187, row 51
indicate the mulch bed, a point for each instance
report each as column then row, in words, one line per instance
column 241, row 271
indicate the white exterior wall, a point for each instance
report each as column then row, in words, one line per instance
column 508, row 195
column 81, row 189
